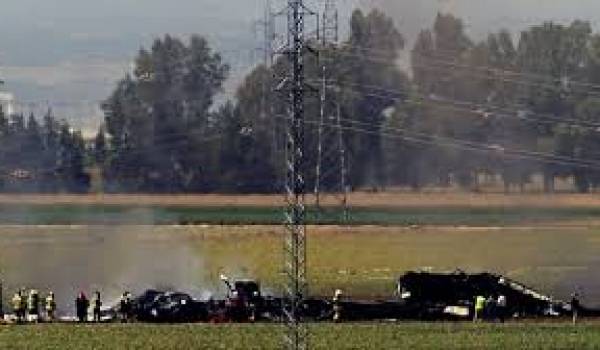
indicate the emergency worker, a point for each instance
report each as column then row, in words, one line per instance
column 479, row 307
column 33, row 305
column 81, row 305
column 125, row 307
column 23, row 306
column 575, row 306
column 501, row 307
column 337, row 306
column 252, row 307
column 50, row 306
column 490, row 308
column 97, row 306
column 16, row 305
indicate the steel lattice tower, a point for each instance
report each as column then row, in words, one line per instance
column 330, row 23
column 331, row 162
column 296, row 334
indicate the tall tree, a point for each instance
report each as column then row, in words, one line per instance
column 158, row 118
column 365, row 84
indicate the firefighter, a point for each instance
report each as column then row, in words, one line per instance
column 125, row 307
column 501, row 307
column 490, row 308
column 479, row 307
column 23, row 303
column 16, row 305
column 252, row 307
column 81, row 307
column 337, row 307
column 97, row 305
column 236, row 307
column 575, row 305
column 33, row 306
column 50, row 307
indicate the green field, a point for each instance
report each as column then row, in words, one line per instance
column 118, row 247
column 373, row 336
column 256, row 215
column 364, row 261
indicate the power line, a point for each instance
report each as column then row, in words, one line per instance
column 439, row 64
column 426, row 139
column 485, row 110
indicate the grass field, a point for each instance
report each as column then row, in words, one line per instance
column 361, row 199
column 390, row 209
column 373, row 336
column 364, row 261
column 118, row 214
column 114, row 243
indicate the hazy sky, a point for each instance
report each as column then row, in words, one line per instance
column 70, row 52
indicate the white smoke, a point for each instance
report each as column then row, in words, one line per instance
column 7, row 101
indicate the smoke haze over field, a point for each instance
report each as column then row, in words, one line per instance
column 63, row 54
column 112, row 259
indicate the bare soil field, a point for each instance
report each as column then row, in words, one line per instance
column 360, row 199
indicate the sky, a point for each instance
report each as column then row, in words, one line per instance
column 68, row 54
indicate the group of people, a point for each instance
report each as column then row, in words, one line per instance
column 126, row 307
column 83, row 304
column 30, row 307
column 27, row 306
column 491, row 308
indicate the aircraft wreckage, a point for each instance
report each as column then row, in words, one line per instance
column 418, row 296
column 423, row 296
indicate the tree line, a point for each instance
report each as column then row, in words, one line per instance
column 512, row 105
column 45, row 156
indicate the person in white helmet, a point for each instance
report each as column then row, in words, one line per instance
column 337, row 305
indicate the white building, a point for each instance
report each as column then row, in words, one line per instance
column 7, row 101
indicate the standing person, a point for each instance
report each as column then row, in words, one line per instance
column 479, row 306
column 97, row 305
column 337, row 306
column 33, row 306
column 16, row 305
column 501, row 307
column 129, row 300
column 252, row 307
column 81, row 305
column 23, row 304
column 125, row 307
column 575, row 306
column 490, row 308
column 50, row 306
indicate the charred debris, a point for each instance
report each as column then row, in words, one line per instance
column 418, row 296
